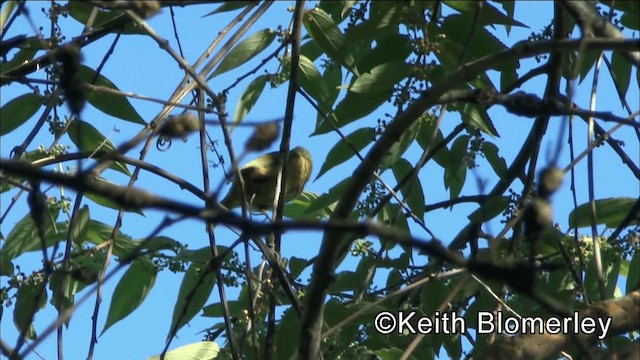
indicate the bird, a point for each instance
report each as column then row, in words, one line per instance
column 260, row 176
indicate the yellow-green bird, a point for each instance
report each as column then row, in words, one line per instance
column 260, row 177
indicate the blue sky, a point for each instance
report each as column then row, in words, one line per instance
column 140, row 66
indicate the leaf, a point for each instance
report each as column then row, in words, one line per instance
column 456, row 173
column 249, row 98
column 194, row 291
column 297, row 265
column 391, row 49
column 27, row 51
column 244, row 51
column 202, row 350
column 17, row 111
column 132, row 289
column 331, row 77
column 115, row 105
column 441, row 156
column 329, row 198
column 621, row 72
column 297, row 209
column 230, row 6
column 381, row 78
column 610, row 211
column 476, row 116
column 490, row 151
column 287, row 334
column 108, row 202
column 80, row 229
column 342, row 152
column 488, row 14
column 24, row 235
column 326, row 33
column 400, row 147
column 236, row 308
column 30, row 298
column 492, row 208
column 88, row 138
column 610, row 272
column 353, row 107
column 311, row 81
column 81, row 11
column 412, row 191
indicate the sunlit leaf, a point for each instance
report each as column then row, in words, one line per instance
column 202, row 350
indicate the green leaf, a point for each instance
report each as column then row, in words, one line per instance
column 392, row 49
column 298, row 208
column 115, row 105
column 202, row 350
column 88, row 138
column 424, row 140
column 342, row 152
column 610, row 272
column 108, row 202
column 6, row 266
column 328, row 36
column 80, row 228
column 490, row 151
column 331, row 77
column 492, row 208
column 311, row 81
column 244, row 51
column 297, row 265
column 393, row 215
column 488, row 14
column 98, row 233
column 353, row 107
column 31, row 297
column 329, row 198
column 81, row 11
column 24, row 235
column 287, row 334
column 194, row 291
column 455, row 174
column 11, row 5
column 476, row 116
column 230, row 6
column 609, row 211
column 621, row 71
column 27, row 51
column 132, row 289
column 633, row 278
column 412, row 191
column 400, row 147
column 236, row 308
column 17, row 111
column 346, row 281
column 249, row 98
column 381, row 78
